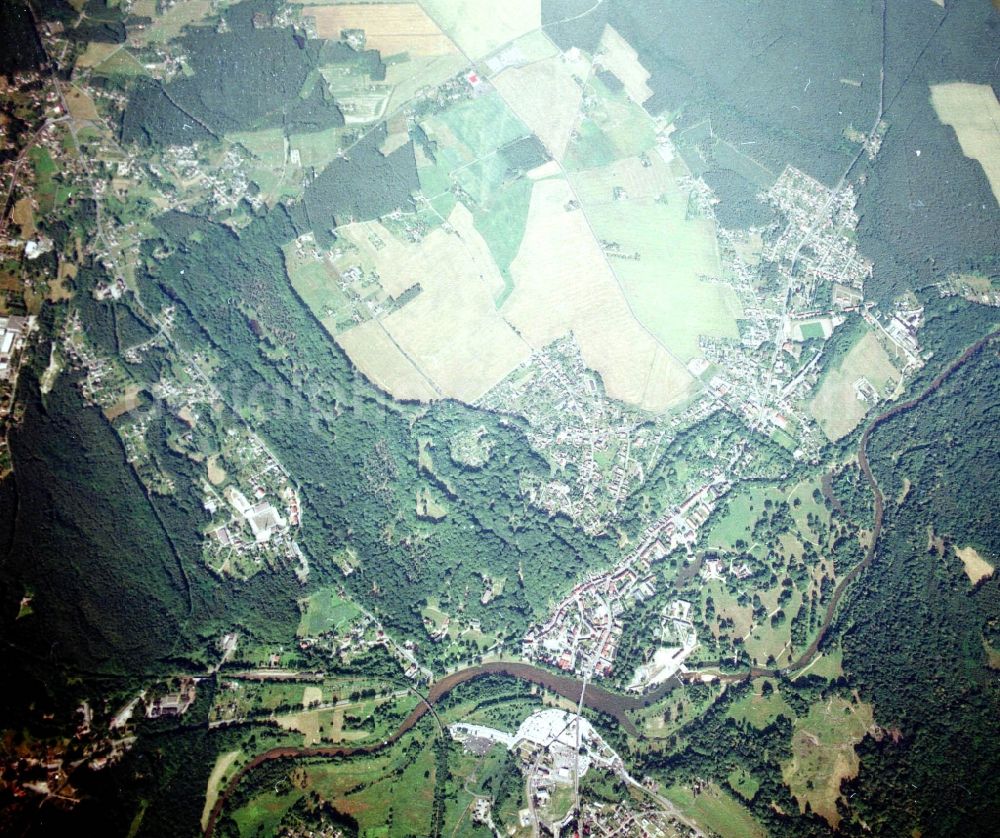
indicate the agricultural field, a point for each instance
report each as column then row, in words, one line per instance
column 562, row 283
column 837, row 406
column 618, row 57
column 81, row 106
column 662, row 257
column 823, row 753
column 974, row 112
column 546, row 97
column 390, row 28
column 611, row 126
column 166, row 25
column 714, row 809
column 480, row 26
column 449, row 332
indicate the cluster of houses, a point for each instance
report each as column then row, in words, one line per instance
column 584, row 631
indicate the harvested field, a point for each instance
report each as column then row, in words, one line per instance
column 547, row 99
column 836, row 405
column 974, row 112
column 375, row 354
column 447, row 341
column 562, row 284
column 391, row 28
column 615, row 54
column 976, row 567
column 823, row 754
column 130, row 401
column 480, row 26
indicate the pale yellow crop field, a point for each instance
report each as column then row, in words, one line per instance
column 80, row 105
column 974, row 112
column 378, row 358
column 615, row 54
column 562, row 284
column 449, row 340
column 391, row 28
column 546, row 98
column 480, row 26
column 222, row 764
column 836, row 406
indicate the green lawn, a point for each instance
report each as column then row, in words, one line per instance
column 758, row 709
column 665, row 285
column 716, row 810
column 326, row 611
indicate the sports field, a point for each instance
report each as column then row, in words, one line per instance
column 974, row 112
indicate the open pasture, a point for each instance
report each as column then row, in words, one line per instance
column 836, row 406
column 823, row 753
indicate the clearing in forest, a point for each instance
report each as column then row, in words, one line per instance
column 974, row 112
column 562, row 284
column 976, row 567
column 823, row 754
